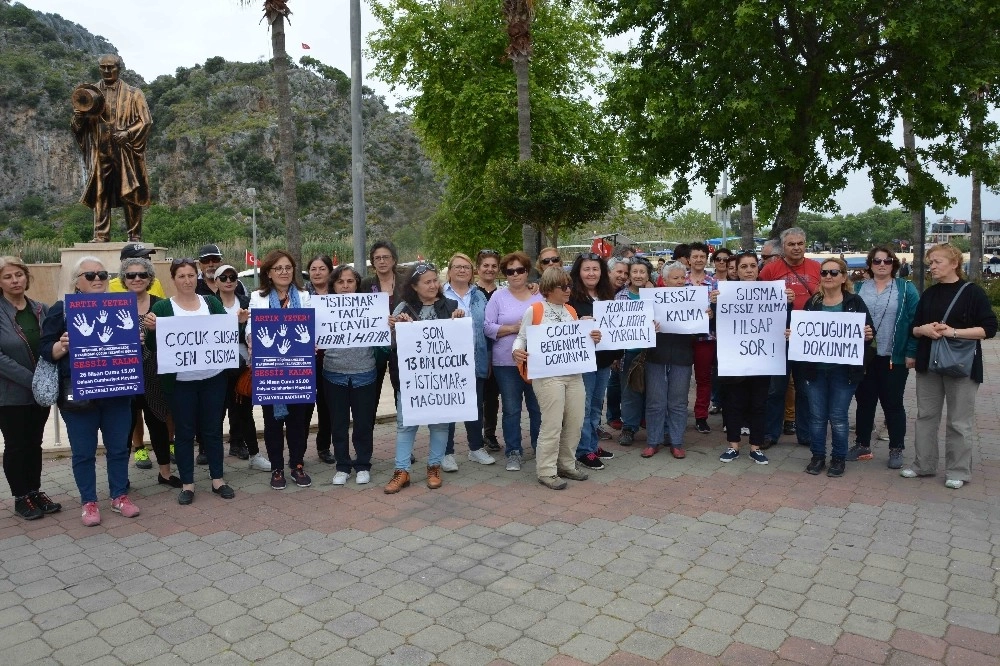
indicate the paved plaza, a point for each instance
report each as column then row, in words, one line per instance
column 650, row 561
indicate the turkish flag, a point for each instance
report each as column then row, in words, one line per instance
column 252, row 260
column 305, row 46
column 602, row 247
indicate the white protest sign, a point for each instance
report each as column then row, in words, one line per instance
column 561, row 349
column 202, row 342
column 625, row 324
column 827, row 337
column 352, row 320
column 437, row 371
column 750, row 324
column 679, row 309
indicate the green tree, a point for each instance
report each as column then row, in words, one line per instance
column 549, row 198
column 793, row 96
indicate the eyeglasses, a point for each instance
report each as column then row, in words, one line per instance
column 423, row 267
column 282, row 269
column 723, row 258
column 880, row 262
column 832, row 272
column 520, row 270
column 461, row 267
column 90, row 276
column 226, row 278
column 550, row 260
column 210, row 259
column 137, row 276
column 565, row 287
column 382, row 257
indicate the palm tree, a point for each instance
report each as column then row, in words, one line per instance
column 519, row 14
column 276, row 12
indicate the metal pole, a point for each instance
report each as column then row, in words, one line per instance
column 357, row 145
column 253, row 207
column 921, row 250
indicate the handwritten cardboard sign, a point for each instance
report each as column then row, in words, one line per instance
column 352, row 320
column 105, row 354
column 561, row 349
column 750, row 325
column 625, row 324
column 679, row 309
column 437, row 371
column 827, row 337
column 202, row 342
column 283, row 363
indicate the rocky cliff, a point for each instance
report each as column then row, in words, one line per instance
column 214, row 133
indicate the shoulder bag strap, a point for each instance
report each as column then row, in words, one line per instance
column 944, row 319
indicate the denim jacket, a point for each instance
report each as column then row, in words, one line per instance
column 477, row 310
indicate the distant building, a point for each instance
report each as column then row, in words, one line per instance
column 944, row 231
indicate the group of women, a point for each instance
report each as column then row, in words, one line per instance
column 564, row 413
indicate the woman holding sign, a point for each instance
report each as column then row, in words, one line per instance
column 951, row 309
column 830, row 386
column 633, row 402
column 502, row 323
column 563, row 398
column 197, row 397
column 110, row 416
column 421, row 299
column 320, row 268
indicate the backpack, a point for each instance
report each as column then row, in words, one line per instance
column 537, row 311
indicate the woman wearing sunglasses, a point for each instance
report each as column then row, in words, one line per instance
column 502, row 323
column 110, row 416
column 197, row 398
column 422, row 300
column 137, row 276
column 893, row 304
column 548, row 258
column 830, row 386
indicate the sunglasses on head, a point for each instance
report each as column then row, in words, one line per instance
column 226, row 278
column 520, row 270
column 879, row 262
column 423, row 267
column 550, row 260
column 90, row 276
column 488, row 253
column 185, row 260
column 831, row 272
column 137, row 276
column 590, row 256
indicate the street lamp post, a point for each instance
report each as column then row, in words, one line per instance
column 252, row 192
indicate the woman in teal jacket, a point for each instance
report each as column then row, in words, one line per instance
column 892, row 302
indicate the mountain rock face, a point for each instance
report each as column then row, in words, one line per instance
column 214, row 133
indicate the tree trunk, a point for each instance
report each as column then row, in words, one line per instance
column 976, row 242
column 286, row 138
column 747, row 228
column 529, row 235
column 791, row 201
column 916, row 216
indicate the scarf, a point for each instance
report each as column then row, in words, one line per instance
column 281, row 408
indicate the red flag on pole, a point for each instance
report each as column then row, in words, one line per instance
column 305, row 46
column 252, row 260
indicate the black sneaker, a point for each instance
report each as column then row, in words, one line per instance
column 239, row 451
column 278, row 480
column 491, row 443
column 42, row 501
column 627, row 437
column 24, row 507
column 789, row 428
column 301, row 479
column 604, row 455
column 816, row 465
column 837, row 466
column 202, row 458
column 590, row 461
column 768, row 443
column 701, row 425
column 327, row 457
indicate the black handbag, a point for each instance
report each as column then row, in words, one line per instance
column 952, row 357
column 66, row 401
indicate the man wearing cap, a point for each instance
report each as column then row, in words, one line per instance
column 111, row 123
column 137, row 251
column 209, row 259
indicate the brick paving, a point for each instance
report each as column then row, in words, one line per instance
column 654, row 561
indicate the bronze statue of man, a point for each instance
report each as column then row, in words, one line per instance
column 111, row 122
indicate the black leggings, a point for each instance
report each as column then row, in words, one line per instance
column 743, row 404
column 159, row 437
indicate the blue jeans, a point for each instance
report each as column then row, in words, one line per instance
column 614, row 397
column 595, row 384
column 633, row 402
column 512, row 389
column 113, row 417
column 197, row 407
column 829, row 397
column 667, row 388
column 406, row 434
column 776, row 405
column 473, row 429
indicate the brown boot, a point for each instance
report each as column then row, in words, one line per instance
column 434, row 476
column 400, row 479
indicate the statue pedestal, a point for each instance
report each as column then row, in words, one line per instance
column 109, row 254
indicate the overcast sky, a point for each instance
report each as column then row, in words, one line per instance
column 157, row 37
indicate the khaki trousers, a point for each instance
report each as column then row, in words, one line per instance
column 561, row 401
column 933, row 392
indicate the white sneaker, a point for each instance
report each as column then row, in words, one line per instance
column 260, row 462
column 448, row 463
column 340, row 478
column 363, row 477
column 908, row 474
column 954, row 484
column 480, row 456
column 514, row 462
